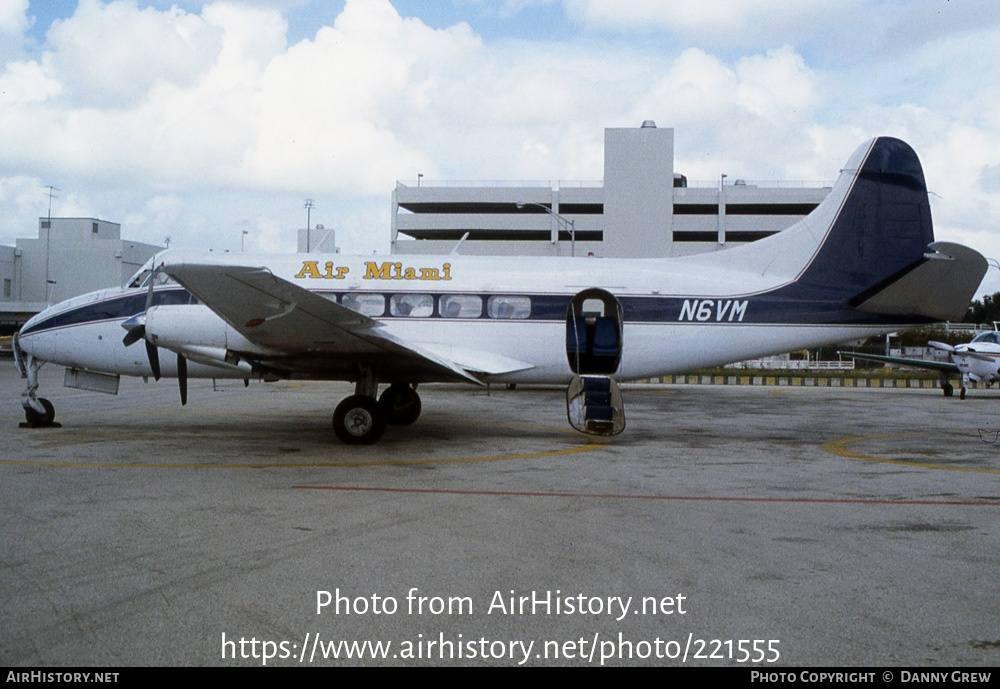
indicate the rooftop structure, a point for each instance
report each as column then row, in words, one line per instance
column 641, row 208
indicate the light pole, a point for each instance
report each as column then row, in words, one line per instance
column 722, row 210
column 48, row 243
column 308, row 204
column 563, row 221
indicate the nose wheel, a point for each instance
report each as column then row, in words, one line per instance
column 39, row 419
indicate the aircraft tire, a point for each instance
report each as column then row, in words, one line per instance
column 948, row 389
column 400, row 404
column 359, row 420
column 36, row 419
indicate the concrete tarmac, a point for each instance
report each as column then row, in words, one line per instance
column 728, row 526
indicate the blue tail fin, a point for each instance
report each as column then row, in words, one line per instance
column 879, row 253
column 882, row 228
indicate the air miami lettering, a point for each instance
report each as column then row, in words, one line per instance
column 314, row 270
column 311, row 269
column 396, row 271
column 717, row 310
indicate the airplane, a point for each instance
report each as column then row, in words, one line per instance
column 978, row 361
column 863, row 263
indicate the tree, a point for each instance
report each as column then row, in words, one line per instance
column 985, row 311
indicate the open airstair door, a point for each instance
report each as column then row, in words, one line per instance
column 594, row 351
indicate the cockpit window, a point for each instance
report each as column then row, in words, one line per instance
column 991, row 336
column 141, row 279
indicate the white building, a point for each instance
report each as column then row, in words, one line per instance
column 642, row 208
column 71, row 256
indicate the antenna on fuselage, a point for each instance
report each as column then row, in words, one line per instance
column 460, row 243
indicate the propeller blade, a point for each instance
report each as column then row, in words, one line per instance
column 944, row 347
column 154, row 359
column 182, row 378
column 152, row 283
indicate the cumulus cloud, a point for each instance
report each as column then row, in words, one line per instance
column 186, row 122
column 735, row 22
column 331, row 107
column 13, row 23
column 745, row 118
column 110, row 55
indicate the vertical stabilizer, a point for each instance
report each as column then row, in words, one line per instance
column 882, row 228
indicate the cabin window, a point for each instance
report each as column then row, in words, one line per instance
column 365, row 303
column 508, row 307
column 460, row 306
column 411, row 305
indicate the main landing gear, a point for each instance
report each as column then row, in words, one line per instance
column 949, row 389
column 361, row 419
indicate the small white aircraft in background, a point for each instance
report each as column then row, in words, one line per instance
column 863, row 263
column 978, row 361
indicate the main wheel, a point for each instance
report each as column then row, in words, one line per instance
column 36, row 419
column 948, row 389
column 359, row 420
column 400, row 404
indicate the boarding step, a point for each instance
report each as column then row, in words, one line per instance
column 594, row 405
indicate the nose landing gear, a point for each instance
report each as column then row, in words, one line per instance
column 38, row 411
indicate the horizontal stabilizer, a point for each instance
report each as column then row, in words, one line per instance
column 939, row 287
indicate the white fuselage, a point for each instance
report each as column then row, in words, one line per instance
column 677, row 315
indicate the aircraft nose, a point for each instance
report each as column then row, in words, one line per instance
column 31, row 339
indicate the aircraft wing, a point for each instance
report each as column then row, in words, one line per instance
column 941, row 366
column 305, row 331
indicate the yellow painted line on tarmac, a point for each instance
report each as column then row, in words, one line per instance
column 839, row 448
column 286, row 465
column 195, row 464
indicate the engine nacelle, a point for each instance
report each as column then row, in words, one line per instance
column 196, row 331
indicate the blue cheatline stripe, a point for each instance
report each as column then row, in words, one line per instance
column 114, row 308
column 769, row 308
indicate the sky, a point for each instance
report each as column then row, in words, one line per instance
column 200, row 121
